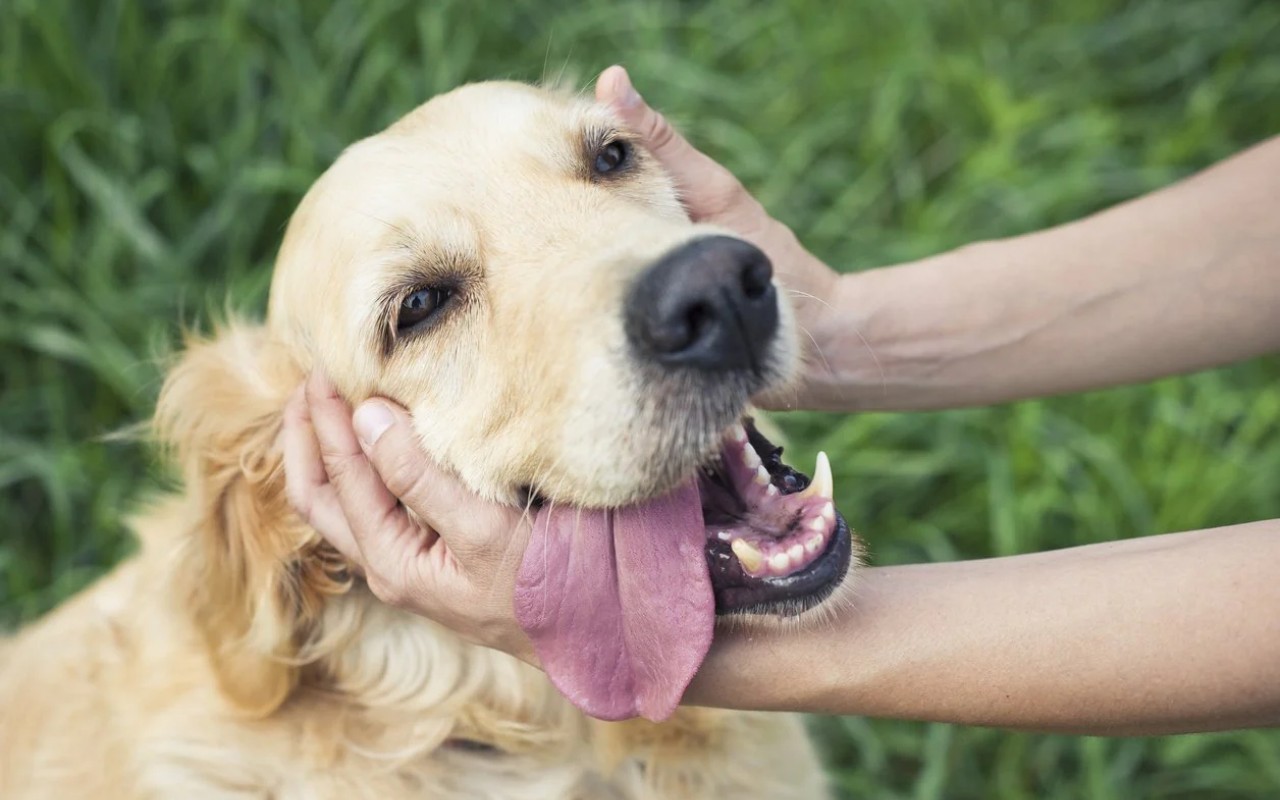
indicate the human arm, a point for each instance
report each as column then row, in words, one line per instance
column 1179, row 280
column 1182, row 279
column 1163, row 634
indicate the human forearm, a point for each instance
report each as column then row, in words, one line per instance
column 1162, row 634
column 1182, row 279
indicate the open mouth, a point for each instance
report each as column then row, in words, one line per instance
column 621, row 603
column 775, row 542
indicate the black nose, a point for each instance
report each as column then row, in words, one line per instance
column 709, row 305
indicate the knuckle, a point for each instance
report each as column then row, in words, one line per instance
column 401, row 474
column 661, row 134
column 340, row 465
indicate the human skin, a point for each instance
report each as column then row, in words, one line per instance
column 1163, row 634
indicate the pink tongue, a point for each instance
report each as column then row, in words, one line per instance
column 618, row 603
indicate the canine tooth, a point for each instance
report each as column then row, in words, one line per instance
column 818, row 524
column 814, row 544
column 762, row 476
column 750, row 458
column 796, row 553
column 738, row 433
column 780, row 562
column 822, row 484
column 750, row 558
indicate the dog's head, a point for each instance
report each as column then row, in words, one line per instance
column 514, row 268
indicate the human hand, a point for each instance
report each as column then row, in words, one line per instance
column 423, row 542
column 712, row 194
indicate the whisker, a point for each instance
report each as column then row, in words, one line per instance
column 817, row 348
column 815, row 298
column 546, row 56
column 884, row 379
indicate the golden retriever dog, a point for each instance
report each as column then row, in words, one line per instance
column 509, row 264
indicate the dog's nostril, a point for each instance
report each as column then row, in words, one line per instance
column 697, row 318
column 756, row 278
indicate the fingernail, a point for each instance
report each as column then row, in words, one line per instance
column 371, row 420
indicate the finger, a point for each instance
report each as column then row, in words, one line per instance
column 379, row 525
column 707, row 188
column 304, row 470
column 467, row 523
column 306, row 482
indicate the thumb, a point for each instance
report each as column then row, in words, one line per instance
column 387, row 436
column 707, row 188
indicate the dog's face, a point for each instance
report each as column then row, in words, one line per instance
column 483, row 262
column 511, row 265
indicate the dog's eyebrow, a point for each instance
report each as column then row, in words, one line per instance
column 415, row 264
column 595, row 135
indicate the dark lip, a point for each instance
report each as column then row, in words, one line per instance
column 739, row 593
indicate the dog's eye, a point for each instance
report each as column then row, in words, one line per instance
column 419, row 305
column 612, row 157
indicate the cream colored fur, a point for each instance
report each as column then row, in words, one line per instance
column 234, row 657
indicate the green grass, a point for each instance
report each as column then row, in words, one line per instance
column 151, row 153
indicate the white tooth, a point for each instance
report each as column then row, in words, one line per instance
column 814, row 544
column 780, row 562
column 724, row 536
column 762, row 476
column 750, row 458
column 821, row 485
column 796, row 552
column 738, row 433
column 818, row 524
column 829, row 513
column 771, row 491
column 750, row 558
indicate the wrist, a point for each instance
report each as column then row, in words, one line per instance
column 772, row 665
column 843, row 369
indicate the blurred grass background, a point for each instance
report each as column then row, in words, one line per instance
column 151, row 152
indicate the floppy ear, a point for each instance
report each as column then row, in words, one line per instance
column 257, row 574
